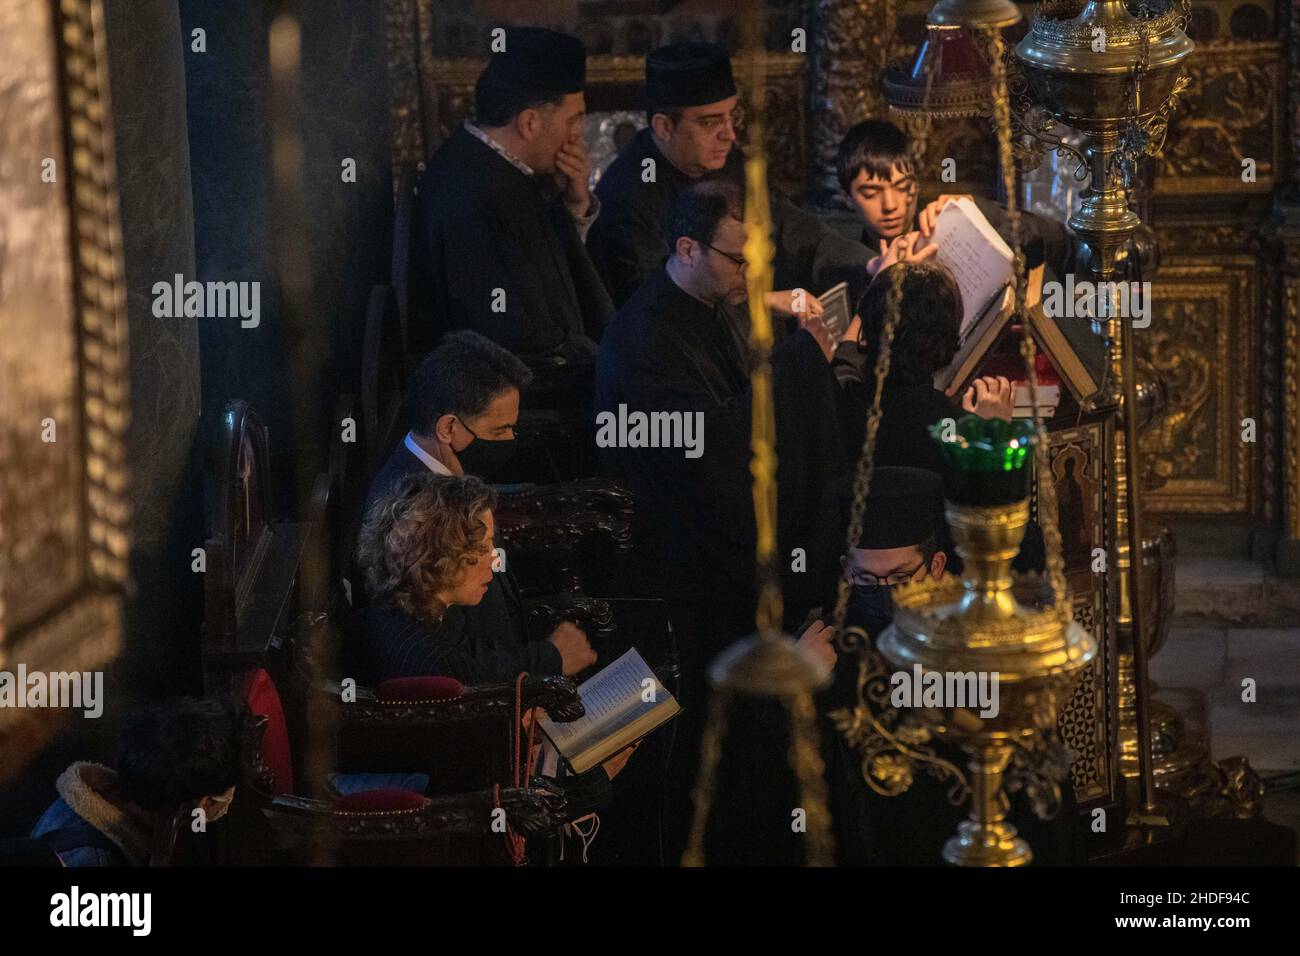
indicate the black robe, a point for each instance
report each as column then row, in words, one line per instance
column 628, row 241
column 694, row 521
column 666, row 351
column 489, row 226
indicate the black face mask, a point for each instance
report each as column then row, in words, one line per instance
column 871, row 608
column 483, row 458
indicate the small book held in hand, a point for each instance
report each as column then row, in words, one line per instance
column 625, row 701
column 837, row 313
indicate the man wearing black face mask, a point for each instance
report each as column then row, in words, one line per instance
column 902, row 519
column 464, row 404
column 903, row 531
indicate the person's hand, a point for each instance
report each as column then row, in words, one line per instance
column 793, row 302
column 925, row 220
column 573, row 173
column 617, row 762
column 990, row 397
column 901, row 249
column 817, row 329
column 817, row 643
column 575, row 651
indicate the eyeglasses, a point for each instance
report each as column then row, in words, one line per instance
column 738, row 260
column 864, row 579
column 714, row 123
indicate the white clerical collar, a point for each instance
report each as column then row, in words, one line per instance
column 433, row 464
column 505, row 154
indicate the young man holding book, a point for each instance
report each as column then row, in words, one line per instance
column 878, row 174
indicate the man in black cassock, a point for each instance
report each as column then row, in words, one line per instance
column 902, row 530
column 692, row 111
column 506, row 204
column 679, row 347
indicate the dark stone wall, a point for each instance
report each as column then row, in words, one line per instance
column 350, row 225
column 227, row 86
column 148, row 90
column 348, row 228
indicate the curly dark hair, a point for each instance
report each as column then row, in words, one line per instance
column 417, row 538
column 929, row 319
column 179, row 750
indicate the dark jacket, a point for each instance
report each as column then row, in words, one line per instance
column 668, row 352
column 84, row 828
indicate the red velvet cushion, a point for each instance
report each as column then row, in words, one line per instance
column 260, row 694
column 419, row 688
column 380, row 801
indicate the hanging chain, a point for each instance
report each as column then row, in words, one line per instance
column 715, row 728
column 866, row 463
column 759, row 252
column 1047, row 504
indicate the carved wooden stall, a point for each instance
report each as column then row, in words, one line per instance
column 265, row 638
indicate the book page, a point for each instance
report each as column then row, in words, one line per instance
column 976, row 256
column 612, row 699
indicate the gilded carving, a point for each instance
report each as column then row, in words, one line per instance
column 404, row 85
column 1291, row 390
column 1202, row 341
column 1078, row 474
column 1233, row 110
column 848, row 50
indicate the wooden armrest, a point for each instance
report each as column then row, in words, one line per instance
column 537, row 810
column 584, row 494
column 558, row 696
column 591, row 614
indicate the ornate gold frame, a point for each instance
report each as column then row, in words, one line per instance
column 1260, row 62
column 62, row 304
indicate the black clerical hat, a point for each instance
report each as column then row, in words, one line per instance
column 688, row 74
column 541, row 61
column 904, row 507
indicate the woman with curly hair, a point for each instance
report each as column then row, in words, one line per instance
column 426, row 551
